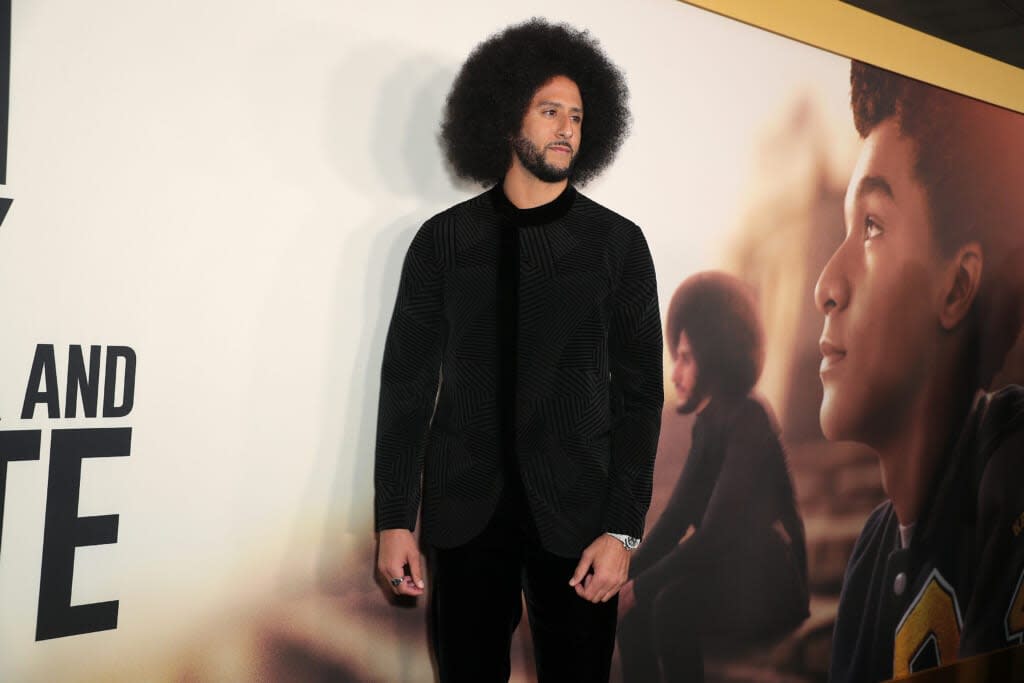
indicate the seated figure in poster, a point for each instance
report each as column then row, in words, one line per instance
column 921, row 304
column 727, row 558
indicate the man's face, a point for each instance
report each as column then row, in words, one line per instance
column 550, row 137
column 684, row 376
column 880, row 294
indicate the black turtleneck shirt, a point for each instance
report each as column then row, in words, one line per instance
column 523, row 362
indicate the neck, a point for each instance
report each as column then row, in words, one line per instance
column 526, row 190
column 909, row 456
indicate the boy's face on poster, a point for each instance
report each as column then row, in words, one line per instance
column 684, row 375
column 880, row 294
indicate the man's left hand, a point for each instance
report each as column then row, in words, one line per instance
column 603, row 569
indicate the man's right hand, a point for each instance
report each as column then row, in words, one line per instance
column 397, row 549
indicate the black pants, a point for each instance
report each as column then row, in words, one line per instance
column 476, row 604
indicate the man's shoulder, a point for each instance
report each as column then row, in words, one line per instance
column 594, row 211
column 457, row 225
column 741, row 419
column 466, row 209
column 752, row 410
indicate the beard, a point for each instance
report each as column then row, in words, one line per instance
column 532, row 159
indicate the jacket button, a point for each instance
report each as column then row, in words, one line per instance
column 900, row 584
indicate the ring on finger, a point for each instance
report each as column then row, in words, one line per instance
column 396, row 582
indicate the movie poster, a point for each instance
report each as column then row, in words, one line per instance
column 204, row 209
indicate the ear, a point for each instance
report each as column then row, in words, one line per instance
column 960, row 284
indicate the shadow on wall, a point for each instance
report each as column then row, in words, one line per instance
column 347, row 627
column 379, row 141
column 406, row 159
column 402, row 151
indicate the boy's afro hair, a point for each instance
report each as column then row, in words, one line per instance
column 719, row 314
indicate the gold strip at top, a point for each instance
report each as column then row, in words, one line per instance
column 852, row 32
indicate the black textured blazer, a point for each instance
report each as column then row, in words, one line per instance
column 524, row 342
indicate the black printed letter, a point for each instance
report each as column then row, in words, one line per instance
column 43, row 364
column 82, row 380
column 113, row 353
column 65, row 531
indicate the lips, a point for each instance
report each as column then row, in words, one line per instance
column 831, row 355
column 561, row 147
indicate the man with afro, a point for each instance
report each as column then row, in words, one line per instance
column 921, row 304
column 521, row 388
column 727, row 558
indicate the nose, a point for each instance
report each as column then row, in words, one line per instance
column 565, row 129
column 677, row 371
column 832, row 291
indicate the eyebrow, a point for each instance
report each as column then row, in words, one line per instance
column 874, row 183
column 550, row 103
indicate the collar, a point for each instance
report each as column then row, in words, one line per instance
column 538, row 215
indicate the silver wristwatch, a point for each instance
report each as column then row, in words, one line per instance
column 629, row 542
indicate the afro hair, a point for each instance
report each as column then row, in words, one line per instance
column 485, row 107
column 718, row 313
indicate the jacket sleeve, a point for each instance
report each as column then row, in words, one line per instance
column 679, row 514
column 635, row 361
column 410, row 378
